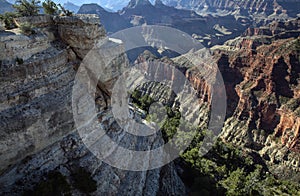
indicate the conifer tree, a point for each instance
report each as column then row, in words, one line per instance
column 27, row 8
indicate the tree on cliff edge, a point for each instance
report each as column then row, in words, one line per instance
column 50, row 7
column 26, row 8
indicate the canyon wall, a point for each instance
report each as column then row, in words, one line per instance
column 266, row 7
column 38, row 133
column 262, row 80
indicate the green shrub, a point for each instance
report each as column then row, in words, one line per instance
column 27, row 29
column 26, row 8
column 50, row 7
column 8, row 19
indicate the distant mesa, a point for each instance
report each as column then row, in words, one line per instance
column 112, row 22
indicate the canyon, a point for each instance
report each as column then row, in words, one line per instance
column 38, row 133
column 209, row 30
column 260, row 66
column 266, row 7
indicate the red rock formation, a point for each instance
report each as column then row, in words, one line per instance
column 288, row 130
column 270, row 75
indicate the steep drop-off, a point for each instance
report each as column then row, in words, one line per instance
column 38, row 135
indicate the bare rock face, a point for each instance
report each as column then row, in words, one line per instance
column 80, row 32
column 280, row 30
column 35, row 100
column 37, row 21
column 20, row 46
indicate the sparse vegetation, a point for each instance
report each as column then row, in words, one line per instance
column 225, row 169
column 169, row 126
column 292, row 104
column 57, row 184
column 283, row 99
column 31, row 8
column 258, row 93
column 297, row 45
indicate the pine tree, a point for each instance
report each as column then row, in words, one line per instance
column 65, row 12
column 26, row 8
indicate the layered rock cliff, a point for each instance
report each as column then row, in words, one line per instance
column 38, row 134
column 266, row 7
column 37, row 76
column 262, row 78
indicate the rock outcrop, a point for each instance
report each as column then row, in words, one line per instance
column 81, row 32
column 20, row 46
